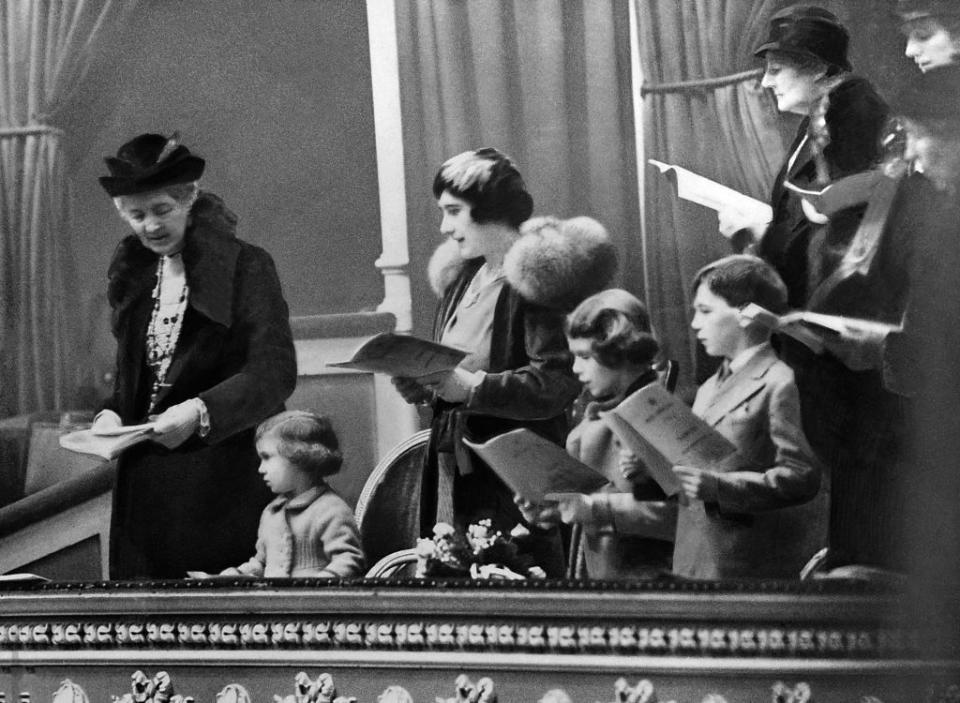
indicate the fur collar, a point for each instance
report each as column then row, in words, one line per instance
column 209, row 256
column 547, row 266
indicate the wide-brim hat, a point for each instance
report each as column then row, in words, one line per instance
column 909, row 10
column 810, row 31
column 934, row 95
column 150, row 162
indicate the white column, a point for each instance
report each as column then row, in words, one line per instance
column 636, row 81
column 396, row 420
column 385, row 80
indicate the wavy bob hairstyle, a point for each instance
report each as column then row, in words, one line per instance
column 618, row 327
column 490, row 182
column 305, row 439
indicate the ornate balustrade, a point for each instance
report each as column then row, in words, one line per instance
column 670, row 642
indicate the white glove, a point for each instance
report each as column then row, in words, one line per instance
column 174, row 425
column 105, row 420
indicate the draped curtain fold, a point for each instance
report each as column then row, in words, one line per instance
column 547, row 82
column 47, row 47
column 732, row 134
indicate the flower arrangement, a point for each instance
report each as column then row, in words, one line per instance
column 480, row 553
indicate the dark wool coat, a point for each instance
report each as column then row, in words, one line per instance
column 855, row 120
column 855, row 425
column 197, row 506
column 529, row 384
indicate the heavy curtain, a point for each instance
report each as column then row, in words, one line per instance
column 731, row 133
column 547, row 82
column 47, row 49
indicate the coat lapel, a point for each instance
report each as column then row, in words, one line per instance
column 738, row 388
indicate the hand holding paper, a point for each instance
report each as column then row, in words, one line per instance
column 698, row 484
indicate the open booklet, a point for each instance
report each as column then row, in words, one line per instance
column 813, row 328
column 703, row 191
column 662, row 430
column 402, row 355
column 842, row 193
column 533, row 466
column 107, row 443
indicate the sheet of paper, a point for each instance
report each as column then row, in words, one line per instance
column 533, row 466
column 122, row 430
column 665, row 423
column 703, row 191
column 402, row 355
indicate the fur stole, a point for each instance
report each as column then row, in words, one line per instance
column 554, row 263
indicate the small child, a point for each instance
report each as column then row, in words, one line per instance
column 624, row 537
column 734, row 524
column 308, row 530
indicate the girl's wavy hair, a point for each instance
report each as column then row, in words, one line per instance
column 490, row 182
column 618, row 327
column 306, row 440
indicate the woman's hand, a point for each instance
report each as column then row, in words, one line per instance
column 542, row 515
column 730, row 220
column 105, row 420
column 574, row 508
column 698, row 484
column 453, row 386
column 411, row 390
column 174, row 425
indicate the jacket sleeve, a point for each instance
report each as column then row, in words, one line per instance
column 541, row 389
column 255, row 565
column 340, row 540
column 794, row 477
column 268, row 373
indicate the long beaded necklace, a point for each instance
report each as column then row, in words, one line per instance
column 169, row 305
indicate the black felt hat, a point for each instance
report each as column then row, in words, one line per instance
column 808, row 30
column 909, row 10
column 149, row 162
column 931, row 96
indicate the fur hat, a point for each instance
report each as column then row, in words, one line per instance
column 555, row 263
column 808, row 30
column 149, row 162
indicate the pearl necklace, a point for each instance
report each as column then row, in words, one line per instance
column 169, row 305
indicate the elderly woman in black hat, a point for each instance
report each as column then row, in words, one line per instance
column 807, row 70
column 204, row 350
column 932, row 28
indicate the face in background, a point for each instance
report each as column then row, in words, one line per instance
column 930, row 44
column 717, row 324
column 158, row 220
column 937, row 156
column 278, row 473
column 456, row 222
column 796, row 89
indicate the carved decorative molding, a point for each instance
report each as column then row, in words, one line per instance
column 670, row 639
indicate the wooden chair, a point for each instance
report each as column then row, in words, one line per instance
column 388, row 509
column 398, row 563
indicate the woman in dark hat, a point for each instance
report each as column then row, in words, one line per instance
column 932, row 28
column 504, row 290
column 204, row 349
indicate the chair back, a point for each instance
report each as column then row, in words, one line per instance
column 668, row 371
column 388, row 510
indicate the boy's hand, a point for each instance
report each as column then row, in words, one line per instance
column 629, row 465
column 698, row 484
column 542, row 515
column 574, row 508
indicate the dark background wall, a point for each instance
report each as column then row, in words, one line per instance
column 276, row 96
